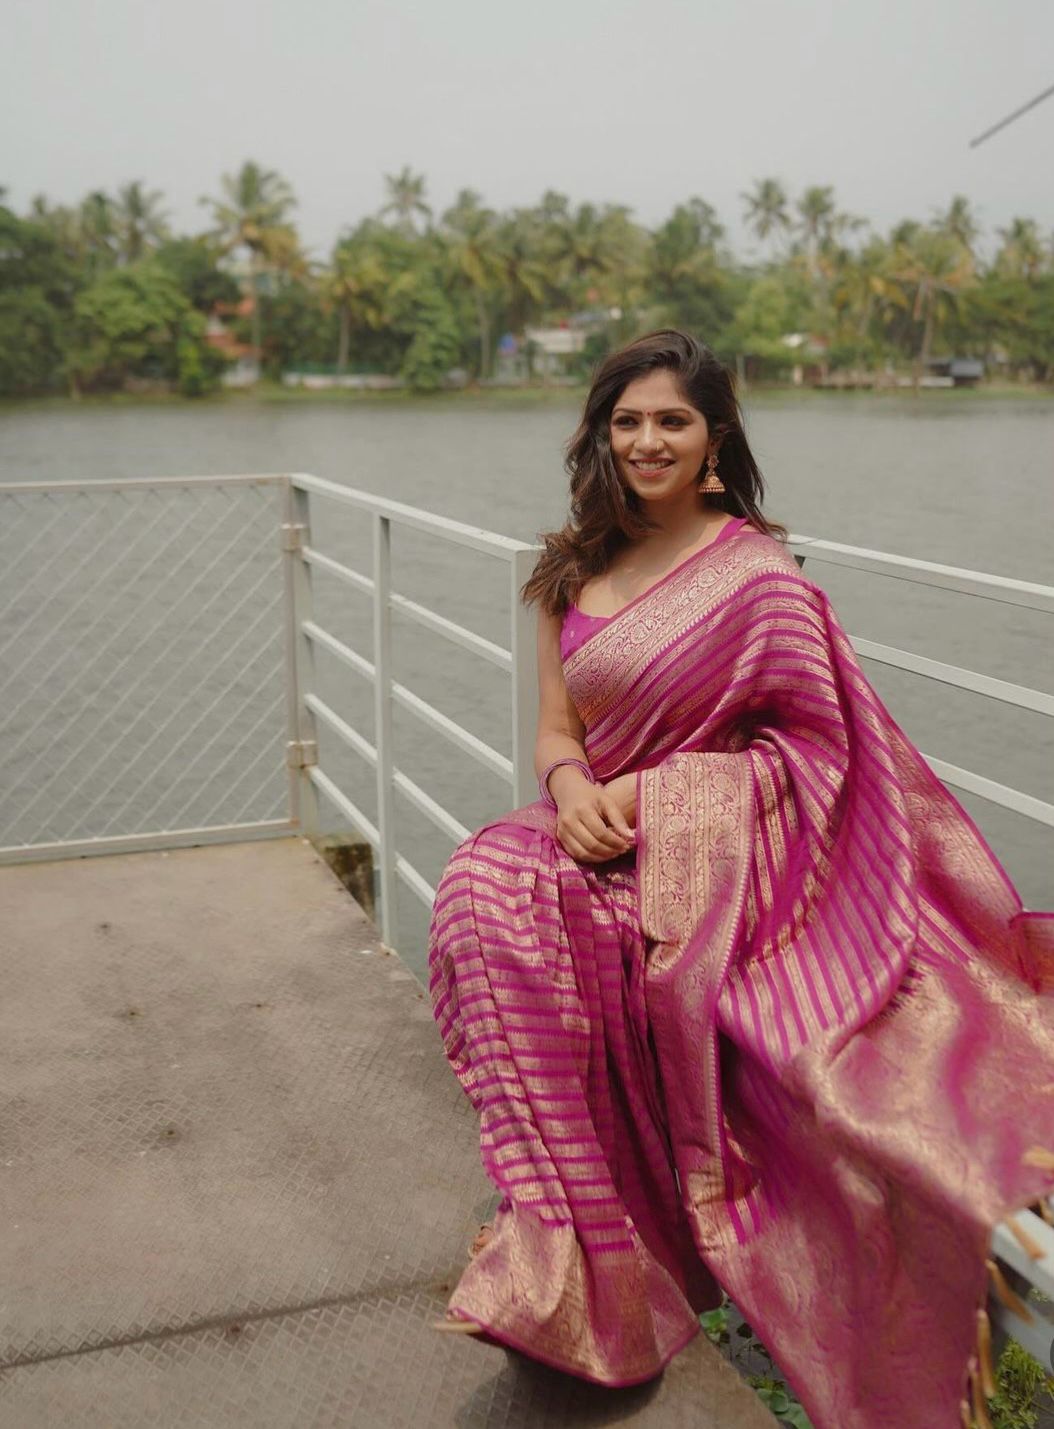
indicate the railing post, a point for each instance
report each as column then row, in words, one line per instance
column 524, row 680
column 382, row 720
column 302, row 741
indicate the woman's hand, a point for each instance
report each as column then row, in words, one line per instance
column 624, row 791
column 590, row 822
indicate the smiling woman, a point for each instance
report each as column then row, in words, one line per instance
column 744, row 1000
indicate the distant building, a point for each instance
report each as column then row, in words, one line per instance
column 964, row 371
column 243, row 360
column 810, row 354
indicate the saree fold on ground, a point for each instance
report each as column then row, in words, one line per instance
column 800, row 1047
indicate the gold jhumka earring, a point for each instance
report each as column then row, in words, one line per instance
column 711, row 481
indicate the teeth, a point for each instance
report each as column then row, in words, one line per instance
column 651, row 465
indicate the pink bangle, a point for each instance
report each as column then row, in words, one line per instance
column 543, row 782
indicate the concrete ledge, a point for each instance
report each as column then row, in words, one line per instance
column 237, row 1178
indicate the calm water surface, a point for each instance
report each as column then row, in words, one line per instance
column 955, row 478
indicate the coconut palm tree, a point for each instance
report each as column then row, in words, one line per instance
column 406, row 199
column 817, row 222
column 252, row 215
column 97, row 231
column 139, row 220
column 929, row 273
column 1022, row 254
column 356, row 286
column 958, row 222
column 765, row 209
column 525, row 276
column 474, row 257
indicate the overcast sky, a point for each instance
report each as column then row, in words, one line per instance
column 643, row 102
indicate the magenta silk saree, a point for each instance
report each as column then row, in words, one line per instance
column 798, row 1045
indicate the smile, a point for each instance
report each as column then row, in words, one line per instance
column 651, row 465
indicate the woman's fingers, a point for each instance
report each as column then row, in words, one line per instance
column 577, row 850
column 616, row 818
column 580, row 850
column 595, row 827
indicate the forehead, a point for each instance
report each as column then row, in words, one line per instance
column 653, row 392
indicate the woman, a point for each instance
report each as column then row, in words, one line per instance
column 745, row 1001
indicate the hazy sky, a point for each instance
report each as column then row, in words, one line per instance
column 643, row 102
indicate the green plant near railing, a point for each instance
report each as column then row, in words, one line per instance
column 1024, row 1387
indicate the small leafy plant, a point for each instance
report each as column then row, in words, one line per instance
column 1024, row 1387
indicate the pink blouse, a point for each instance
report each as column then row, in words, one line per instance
column 578, row 627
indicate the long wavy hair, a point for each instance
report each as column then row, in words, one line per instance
column 605, row 513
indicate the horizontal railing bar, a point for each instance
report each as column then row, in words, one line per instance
column 450, row 630
column 425, row 804
column 480, row 751
column 489, row 542
column 337, row 568
column 919, row 572
column 340, row 727
column 123, row 482
column 144, row 843
column 438, row 624
column 336, row 647
column 340, row 801
column 995, row 793
column 422, row 801
column 434, row 718
column 1037, row 1338
column 406, row 871
column 1007, row 1247
column 414, row 881
column 1020, row 695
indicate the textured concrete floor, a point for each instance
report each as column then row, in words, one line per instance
column 237, row 1177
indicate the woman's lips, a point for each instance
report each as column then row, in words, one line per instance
column 651, row 470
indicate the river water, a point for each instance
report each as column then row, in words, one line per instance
column 951, row 477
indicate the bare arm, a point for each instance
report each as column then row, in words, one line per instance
column 590, row 824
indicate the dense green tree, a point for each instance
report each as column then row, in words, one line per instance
column 689, row 274
column 135, row 322
column 194, row 263
column 422, row 313
column 38, row 284
column 404, row 292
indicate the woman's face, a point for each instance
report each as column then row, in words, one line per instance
column 658, row 439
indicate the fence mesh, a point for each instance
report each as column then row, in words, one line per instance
column 142, row 682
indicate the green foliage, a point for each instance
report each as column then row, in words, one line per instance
column 38, row 284
column 193, row 263
column 1023, row 1388
column 434, row 342
column 135, row 322
column 405, row 292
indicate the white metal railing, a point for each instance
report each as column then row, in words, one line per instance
column 518, row 660
column 975, row 583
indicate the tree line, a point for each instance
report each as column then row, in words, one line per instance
column 97, row 295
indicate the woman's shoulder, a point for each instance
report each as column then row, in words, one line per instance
column 760, row 551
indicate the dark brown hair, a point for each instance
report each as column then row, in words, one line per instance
column 605, row 513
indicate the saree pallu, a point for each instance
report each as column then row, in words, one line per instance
column 798, row 1045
